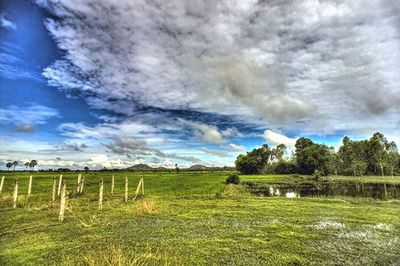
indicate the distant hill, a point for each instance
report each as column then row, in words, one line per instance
column 140, row 167
column 198, row 167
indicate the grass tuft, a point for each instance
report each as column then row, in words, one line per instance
column 146, row 207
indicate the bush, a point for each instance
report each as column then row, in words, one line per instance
column 233, row 179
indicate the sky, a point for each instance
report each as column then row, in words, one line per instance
column 106, row 83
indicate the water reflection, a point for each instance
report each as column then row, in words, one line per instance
column 324, row 188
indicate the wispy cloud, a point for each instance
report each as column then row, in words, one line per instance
column 130, row 146
column 25, row 116
column 219, row 153
column 6, row 23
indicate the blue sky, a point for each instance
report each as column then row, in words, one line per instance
column 120, row 83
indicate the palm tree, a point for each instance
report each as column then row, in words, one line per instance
column 26, row 165
column 33, row 163
column 9, row 166
column 15, row 163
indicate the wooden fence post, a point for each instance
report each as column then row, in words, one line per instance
column 62, row 202
column 15, row 195
column 101, row 194
column 30, row 186
column 2, row 183
column 60, row 182
column 53, row 198
column 78, row 184
column 142, row 186
column 82, row 183
column 112, row 185
column 126, row 189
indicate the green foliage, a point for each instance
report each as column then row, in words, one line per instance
column 257, row 161
column 375, row 156
column 311, row 157
column 233, row 178
column 284, row 167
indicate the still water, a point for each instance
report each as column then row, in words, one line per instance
column 324, row 188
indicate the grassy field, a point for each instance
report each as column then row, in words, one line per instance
column 193, row 219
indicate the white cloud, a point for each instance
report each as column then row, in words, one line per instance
column 5, row 23
column 219, row 153
column 274, row 138
column 33, row 114
column 209, row 133
column 235, row 147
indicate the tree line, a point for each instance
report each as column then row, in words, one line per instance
column 373, row 156
column 30, row 164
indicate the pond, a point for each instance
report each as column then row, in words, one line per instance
column 323, row 188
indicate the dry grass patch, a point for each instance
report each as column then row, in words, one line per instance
column 115, row 255
column 147, row 207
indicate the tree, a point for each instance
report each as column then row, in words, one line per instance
column 177, row 168
column 247, row 165
column 391, row 157
column 26, row 165
column 334, row 162
column 33, row 163
column 351, row 154
column 311, row 157
column 254, row 162
column 15, row 163
column 86, row 169
column 9, row 165
column 378, row 144
column 358, row 167
column 279, row 152
column 284, row 167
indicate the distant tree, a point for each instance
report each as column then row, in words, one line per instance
column 9, row 165
column 311, row 157
column 177, row 168
column 26, row 165
column 284, row 167
column 278, row 152
column 33, row 163
column 334, row 162
column 86, row 169
column 378, row 144
column 358, row 167
column 247, row 165
column 254, row 162
column 351, row 155
column 15, row 163
column 391, row 158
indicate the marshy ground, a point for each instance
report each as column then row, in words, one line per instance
column 194, row 218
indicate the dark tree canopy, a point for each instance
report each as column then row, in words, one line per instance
column 375, row 156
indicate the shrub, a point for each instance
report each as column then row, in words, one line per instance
column 233, row 179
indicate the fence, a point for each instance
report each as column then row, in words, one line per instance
column 58, row 193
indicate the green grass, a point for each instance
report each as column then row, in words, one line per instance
column 195, row 220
